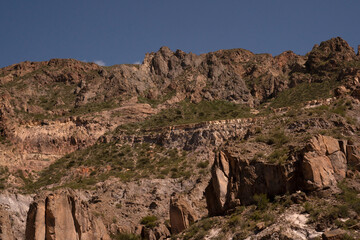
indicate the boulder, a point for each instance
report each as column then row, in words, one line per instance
column 162, row 232
column 324, row 163
column 336, row 234
column 181, row 214
column 62, row 215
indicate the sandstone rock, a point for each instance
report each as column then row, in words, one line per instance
column 353, row 156
column 260, row 226
column 235, row 181
column 62, row 215
column 336, row 234
column 340, row 91
column 217, row 190
column 318, row 171
column 162, row 232
column 323, row 164
column 5, row 225
column 181, row 214
column 147, row 234
column 15, row 206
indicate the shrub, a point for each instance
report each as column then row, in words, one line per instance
column 203, row 164
column 278, row 155
column 277, row 138
column 261, row 201
column 304, row 92
column 349, row 196
column 149, row 221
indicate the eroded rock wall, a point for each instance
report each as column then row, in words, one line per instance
column 62, row 215
column 321, row 164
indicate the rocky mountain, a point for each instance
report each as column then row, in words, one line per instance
column 222, row 145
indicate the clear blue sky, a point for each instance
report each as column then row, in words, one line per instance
column 122, row 31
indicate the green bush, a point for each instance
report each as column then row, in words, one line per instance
column 261, row 201
column 279, row 156
column 304, row 92
column 350, row 197
column 203, row 164
column 277, row 138
column 149, row 221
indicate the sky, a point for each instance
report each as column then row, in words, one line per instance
column 111, row 32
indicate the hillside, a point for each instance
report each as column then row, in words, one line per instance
column 222, row 145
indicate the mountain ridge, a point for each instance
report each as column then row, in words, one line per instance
column 140, row 143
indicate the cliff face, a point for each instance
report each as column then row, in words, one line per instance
column 62, row 215
column 156, row 148
column 321, row 164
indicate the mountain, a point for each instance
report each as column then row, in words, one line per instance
column 222, row 145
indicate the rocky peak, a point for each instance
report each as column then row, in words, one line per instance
column 166, row 52
column 336, row 46
column 330, row 55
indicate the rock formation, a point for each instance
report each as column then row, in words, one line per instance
column 62, row 215
column 5, row 225
column 321, row 164
column 160, row 232
column 324, row 162
column 235, row 181
column 15, row 208
column 181, row 214
column 330, row 55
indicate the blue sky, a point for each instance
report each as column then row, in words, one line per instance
column 122, row 31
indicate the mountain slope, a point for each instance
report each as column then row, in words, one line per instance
column 131, row 139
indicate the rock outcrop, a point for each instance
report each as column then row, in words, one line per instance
column 191, row 136
column 181, row 214
column 336, row 234
column 160, row 232
column 324, row 163
column 62, row 215
column 321, row 164
column 14, row 211
column 330, row 55
column 235, row 181
column 5, row 225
